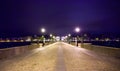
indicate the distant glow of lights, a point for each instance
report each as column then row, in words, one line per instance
column 54, row 37
column 66, row 36
column 62, row 38
column 117, row 40
column 51, row 35
column 35, row 39
column 43, row 30
column 96, row 39
column 77, row 29
column 14, row 40
column 8, row 40
column 22, row 40
column 69, row 35
column 28, row 39
column 58, row 38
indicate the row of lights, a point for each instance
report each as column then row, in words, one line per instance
column 77, row 29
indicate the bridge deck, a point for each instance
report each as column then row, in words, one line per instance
column 60, row 56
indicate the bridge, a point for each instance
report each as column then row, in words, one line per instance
column 60, row 56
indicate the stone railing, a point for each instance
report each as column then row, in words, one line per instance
column 104, row 50
column 14, row 51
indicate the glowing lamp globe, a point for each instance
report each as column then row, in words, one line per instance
column 43, row 30
column 77, row 29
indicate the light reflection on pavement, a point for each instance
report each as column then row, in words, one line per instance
column 60, row 56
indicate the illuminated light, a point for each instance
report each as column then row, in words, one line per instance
column 62, row 38
column 117, row 40
column 21, row 40
column 85, row 35
column 66, row 36
column 51, row 35
column 7, row 40
column 54, row 37
column 69, row 35
column 28, row 39
column 77, row 29
column 107, row 39
column 14, row 40
column 43, row 30
column 96, row 39
column 2, row 40
column 58, row 38
column 35, row 39
column 102, row 39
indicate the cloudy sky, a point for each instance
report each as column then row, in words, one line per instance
column 20, row 17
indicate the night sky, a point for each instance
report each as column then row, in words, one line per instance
column 23, row 17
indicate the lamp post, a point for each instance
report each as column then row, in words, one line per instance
column 77, row 30
column 43, row 30
column 51, row 37
column 69, row 35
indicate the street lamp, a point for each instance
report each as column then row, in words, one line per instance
column 54, row 38
column 43, row 30
column 77, row 30
column 51, row 35
column 69, row 35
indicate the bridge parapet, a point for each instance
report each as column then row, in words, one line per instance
column 104, row 50
column 15, row 51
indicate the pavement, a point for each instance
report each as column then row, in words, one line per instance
column 60, row 56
